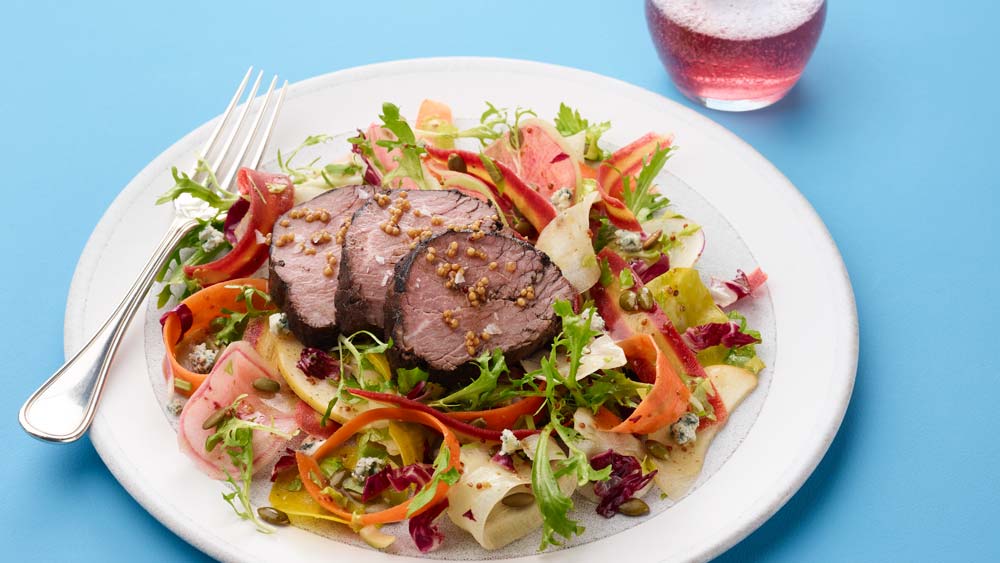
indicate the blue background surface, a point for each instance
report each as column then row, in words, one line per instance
column 891, row 135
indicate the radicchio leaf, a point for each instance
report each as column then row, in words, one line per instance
column 374, row 485
column 185, row 316
column 417, row 393
column 233, row 217
column 626, row 479
column 418, row 474
column 559, row 158
column 468, row 514
column 372, row 176
column 317, row 363
column 713, row 334
column 285, row 462
column 647, row 272
column 399, row 478
column 727, row 292
column 505, row 461
column 424, row 531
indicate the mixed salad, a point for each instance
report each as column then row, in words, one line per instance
column 598, row 378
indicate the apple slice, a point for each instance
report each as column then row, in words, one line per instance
column 675, row 475
column 375, row 537
column 284, row 351
column 688, row 247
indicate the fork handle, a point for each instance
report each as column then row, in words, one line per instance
column 62, row 409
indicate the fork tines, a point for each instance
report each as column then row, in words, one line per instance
column 225, row 162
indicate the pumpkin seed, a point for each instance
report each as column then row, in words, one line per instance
column 212, row 441
column 657, row 449
column 518, row 500
column 478, row 423
column 628, row 301
column 215, row 418
column 266, row 385
column 456, row 163
column 493, row 170
column 652, row 239
column 645, row 299
column 634, row 507
column 272, row 516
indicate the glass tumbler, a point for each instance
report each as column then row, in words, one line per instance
column 735, row 55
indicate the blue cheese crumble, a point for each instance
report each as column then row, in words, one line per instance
column 278, row 323
column 201, row 358
column 596, row 322
column 210, row 238
column 175, row 407
column 628, row 241
column 366, row 467
column 685, row 429
column 509, row 442
column 562, row 199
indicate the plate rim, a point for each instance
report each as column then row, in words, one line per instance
column 83, row 273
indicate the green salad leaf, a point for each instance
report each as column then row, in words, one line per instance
column 701, row 389
column 210, row 192
column 552, row 502
column 410, row 165
column 493, row 123
column 333, row 175
column 480, row 392
column 570, row 343
column 638, row 192
column 235, row 436
column 682, row 295
column 192, row 250
column 605, row 234
column 498, row 121
column 569, row 122
column 407, row 379
column 202, row 244
column 331, row 465
column 230, row 325
column 564, row 394
column 613, row 387
column 450, row 477
column 356, row 368
column 744, row 356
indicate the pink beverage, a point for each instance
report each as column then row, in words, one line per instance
column 735, row 55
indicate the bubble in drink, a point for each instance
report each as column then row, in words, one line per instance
column 735, row 54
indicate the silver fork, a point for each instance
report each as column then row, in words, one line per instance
column 62, row 409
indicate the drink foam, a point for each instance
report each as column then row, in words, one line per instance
column 739, row 20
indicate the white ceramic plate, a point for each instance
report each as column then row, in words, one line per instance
column 762, row 457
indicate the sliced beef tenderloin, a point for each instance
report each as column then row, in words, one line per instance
column 305, row 262
column 383, row 231
column 461, row 294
